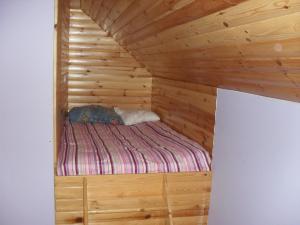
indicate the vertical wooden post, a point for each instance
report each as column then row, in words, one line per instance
column 166, row 197
column 85, row 202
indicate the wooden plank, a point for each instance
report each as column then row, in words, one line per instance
column 191, row 220
column 155, row 221
column 245, row 13
column 108, row 85
column 68, row 205
column 69, row 181
column 156, row 10
column 151, row 217
column 115, row 12
column 74, row 218
column 109, row 92
column 69, row 192
column 121, row 105
column 195, row 10
column 129, row 14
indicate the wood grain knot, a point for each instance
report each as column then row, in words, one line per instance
column 79, row 220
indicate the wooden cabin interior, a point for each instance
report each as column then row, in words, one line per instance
column 168, row 56
column 155, row 112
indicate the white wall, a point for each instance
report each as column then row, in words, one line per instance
column 256, row 163
column 26, row 155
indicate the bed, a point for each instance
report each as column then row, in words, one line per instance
column 141, row 174
column 150, row 147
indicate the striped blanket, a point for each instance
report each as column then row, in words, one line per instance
column 152, row 147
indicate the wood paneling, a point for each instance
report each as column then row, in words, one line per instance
column 100, row 71
column 190, row 112
column 69, row 200
column 186, row 107
column 153, row 199
column 251, row 46
column 75, row 4
column 61, row 68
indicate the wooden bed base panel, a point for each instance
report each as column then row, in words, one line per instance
column 132, row 199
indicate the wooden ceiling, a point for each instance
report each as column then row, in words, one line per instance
column 251, row 46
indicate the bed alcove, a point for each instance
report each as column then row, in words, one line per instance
column 168, row 56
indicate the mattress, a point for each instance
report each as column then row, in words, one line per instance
column 151, row 147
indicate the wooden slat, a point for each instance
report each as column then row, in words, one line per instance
column 151, row 217
column 125, row 106
column 68, row 181
column 246, row 13
column 157, row 9
column 192, row 11
column 69, row 205
column 115, row 12
column 74, row 218
column 129, row 14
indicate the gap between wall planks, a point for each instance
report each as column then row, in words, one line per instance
column 153, row 199
column 251, row 46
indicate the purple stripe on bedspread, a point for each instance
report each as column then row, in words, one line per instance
column 152, row 147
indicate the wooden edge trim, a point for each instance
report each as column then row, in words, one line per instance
column 54, row 133
column 85, row 202
column 54, row 99
column 167, row 199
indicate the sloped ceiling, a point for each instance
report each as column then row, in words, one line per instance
column 252, row 46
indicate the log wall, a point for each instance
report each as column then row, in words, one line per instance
column 101, row 72
column 186, row 107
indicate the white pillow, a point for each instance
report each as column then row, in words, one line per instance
column 131, row 117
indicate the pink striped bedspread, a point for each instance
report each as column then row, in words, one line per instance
column 152, row 147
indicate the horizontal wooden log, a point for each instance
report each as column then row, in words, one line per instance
column 109, row 92
column 109, row 99
column 146, row 106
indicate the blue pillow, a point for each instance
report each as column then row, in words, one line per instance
column 94, row 114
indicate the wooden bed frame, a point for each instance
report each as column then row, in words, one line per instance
column 132, row 199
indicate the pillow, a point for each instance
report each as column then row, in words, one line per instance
column 131, row 117
column 94, row 114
